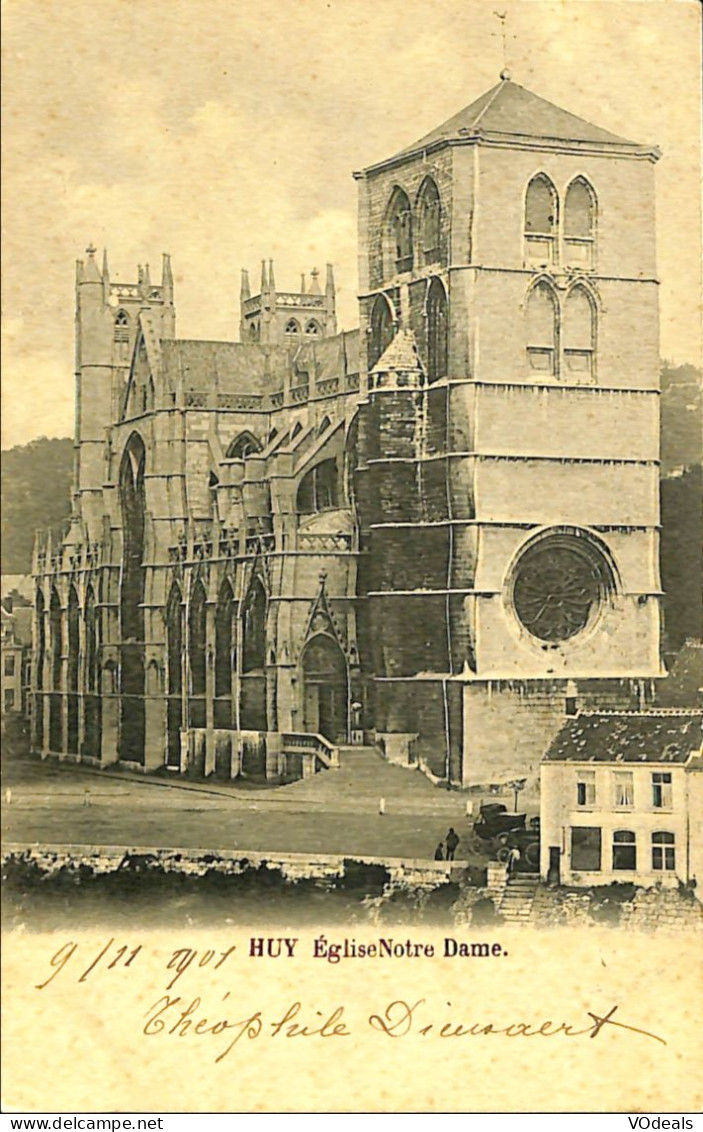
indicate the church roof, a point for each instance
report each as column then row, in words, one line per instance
column 509, row 110
column 629, row 737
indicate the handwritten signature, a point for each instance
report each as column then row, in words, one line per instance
column 174, row 1016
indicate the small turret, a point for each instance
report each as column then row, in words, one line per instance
column 288, row 317
column 167, row 278
column 106, row 277
column 331, row 300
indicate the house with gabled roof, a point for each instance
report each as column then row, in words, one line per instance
column 622, row 799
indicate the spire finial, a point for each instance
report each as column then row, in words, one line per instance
column 505, row 72
column 91, row 249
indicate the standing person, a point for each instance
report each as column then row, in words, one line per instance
column 439, row 852
column 513, row 858
column 452, row 841
column 381, row 805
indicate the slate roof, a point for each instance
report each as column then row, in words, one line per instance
column 510, row 110
column 400, row 355
column 654, row 737
column 235, row 367
column 249, row 367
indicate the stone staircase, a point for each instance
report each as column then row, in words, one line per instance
column 518, row 896
column 364, row 776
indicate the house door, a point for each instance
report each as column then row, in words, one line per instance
column 325, row 694
column 554, row 872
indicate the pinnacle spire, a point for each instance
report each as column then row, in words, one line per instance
column 92, row 272
column 167, row 277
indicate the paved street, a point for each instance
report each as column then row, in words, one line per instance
column 334, row 812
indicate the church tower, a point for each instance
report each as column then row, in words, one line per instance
column 107, row 315
column 515, row 572
column 287, row 317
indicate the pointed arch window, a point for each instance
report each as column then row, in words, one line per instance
column 398, row 239
column 242, row 446
column 197, row 640
column 318, row 489
column 254, row 628
column 41, row 643
column 541, row 219
column 174, row 683
column 542, row 330
column 579, row 225
column 224, row 642
column 313, row 329
column 121, row 326
column 579, row 334
column 292, row 327
column 91, row 643
column 437, row 331
column 381, row 329
column 429, row 218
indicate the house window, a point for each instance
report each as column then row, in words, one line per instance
column 586, row 788
column 623, row 789
column 9, row 666
column 542, row 330
column 585, row 848
column 624, row 849
column 9, row 699
column 663, row 852
column 579, row 225
column 541, row 215
column 579, row 335
column 661, row 790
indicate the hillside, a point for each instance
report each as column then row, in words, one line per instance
column 36, row 492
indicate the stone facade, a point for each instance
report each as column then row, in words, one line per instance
column 440, row 530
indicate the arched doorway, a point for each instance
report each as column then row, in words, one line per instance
column 325, row 689
column 133, row 502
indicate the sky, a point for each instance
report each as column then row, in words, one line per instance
column 224, row 132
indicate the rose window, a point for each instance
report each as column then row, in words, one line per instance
column 559, row 585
